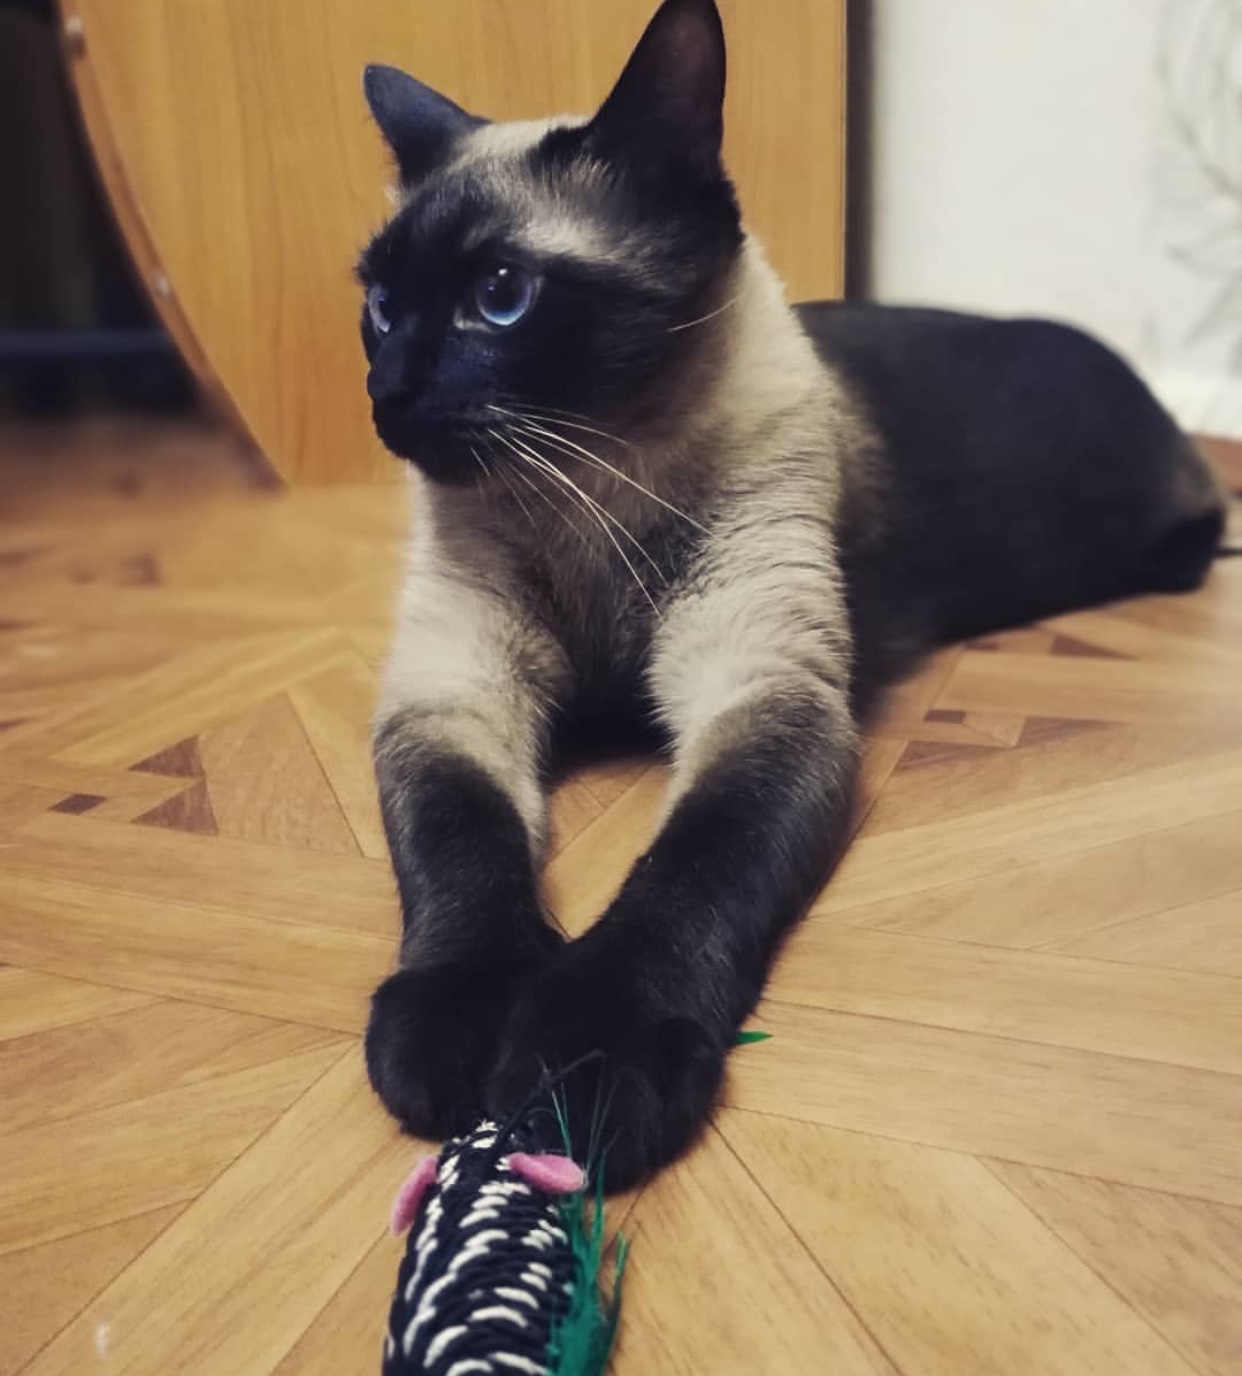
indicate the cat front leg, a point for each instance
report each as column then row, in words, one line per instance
column 457, row 747
column 767, row 756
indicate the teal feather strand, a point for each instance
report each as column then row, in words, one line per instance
column 581, row 1344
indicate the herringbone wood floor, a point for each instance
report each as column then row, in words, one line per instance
column 998, row 1125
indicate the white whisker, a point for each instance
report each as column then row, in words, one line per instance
column 703, row 319
column 572, row 447
column 516, row 495
column 555, row 411
column 548, row 416
column 592, row 507
column 534, row 487
column 598, row 506
column 580, row 535
column 474, row 453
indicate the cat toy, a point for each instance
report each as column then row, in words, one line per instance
column 501, row 1272
column 501, row 1267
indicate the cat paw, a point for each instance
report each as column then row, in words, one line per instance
column 631, row 1108
column 432, row 1036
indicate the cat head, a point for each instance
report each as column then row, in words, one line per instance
column 551, row 271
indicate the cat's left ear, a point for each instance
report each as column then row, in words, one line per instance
column 667, row 108
column 418, row 124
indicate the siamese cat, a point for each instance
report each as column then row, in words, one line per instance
column 648, row 489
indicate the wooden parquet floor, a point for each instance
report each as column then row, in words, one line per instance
column 997, row 1128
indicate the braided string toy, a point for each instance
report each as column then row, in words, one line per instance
column 501, row 1268
column 501, row 1273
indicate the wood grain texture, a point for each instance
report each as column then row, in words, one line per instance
column 1178, row 1261
column 267, row 784
column 140, row 1155
column 989, row 1277
column 995, row 1128
column 1166, row 1016
column 46, row 1286
column 34, row 1002
column 1155, row 873
column 318, row 975
column 335, row 711
column 219, row 873
column 247, row 178
column 685, row 1316
column 1193, row 936
column 308, row 1199
column 1132, row 1121
column 130, row 1055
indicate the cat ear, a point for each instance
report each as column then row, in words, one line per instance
column 548, row 1172
column 666, row 109
column 419, row 124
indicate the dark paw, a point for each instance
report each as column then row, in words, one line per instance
column 633, row 1108
column 431, row 1038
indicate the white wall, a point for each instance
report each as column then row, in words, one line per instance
column 1073, row 158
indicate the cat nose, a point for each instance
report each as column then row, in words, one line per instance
column 385, row 386
column 389, row 377
column 386, row 381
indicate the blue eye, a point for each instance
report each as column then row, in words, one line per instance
column 502, row 295
column 377, row 301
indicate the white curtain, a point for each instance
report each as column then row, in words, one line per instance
column 1074, row 158
column 1193, row 328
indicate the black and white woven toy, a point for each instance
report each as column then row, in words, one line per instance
column 501, row 1268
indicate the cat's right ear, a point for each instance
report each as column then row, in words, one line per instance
column 418, row 124
column 666, row 110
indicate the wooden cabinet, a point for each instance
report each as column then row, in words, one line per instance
column 237, row 150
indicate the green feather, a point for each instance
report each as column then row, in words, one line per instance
column 581, row 1343
column 746, row 1038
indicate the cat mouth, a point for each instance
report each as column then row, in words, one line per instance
column 447, row 449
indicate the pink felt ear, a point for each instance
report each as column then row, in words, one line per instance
column 552, row 1174
column 410, row 1195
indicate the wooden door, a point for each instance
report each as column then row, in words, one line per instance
column 237, row 150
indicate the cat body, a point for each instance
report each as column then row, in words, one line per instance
column 648, row 489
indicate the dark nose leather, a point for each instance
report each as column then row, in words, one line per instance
column 386, row 380
column 396, row 359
